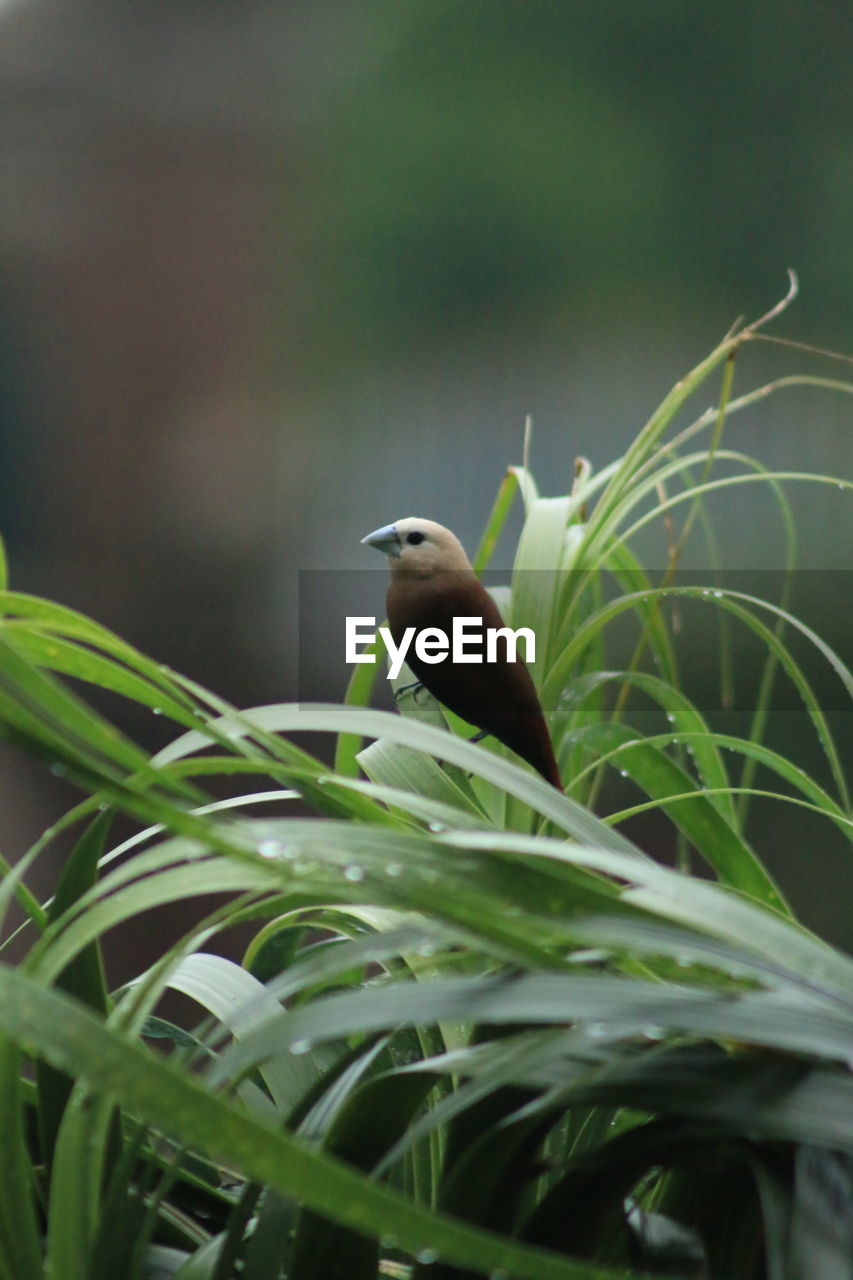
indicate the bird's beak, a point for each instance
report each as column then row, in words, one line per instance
column 386, row 540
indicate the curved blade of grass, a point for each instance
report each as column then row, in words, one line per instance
column 324, row 717
column 713, row 909
column 749, row 398
column 78, row 1174
column 358, row 694
column 766, row 1097
column 75, row 1041
column 413, row 801
column 632, row 578
column 678, row 709
column 821, row 1240
column 844, row 824
column 653, row 484
column 711, row 486
column 733, row 601
column 644, row 444
column 403, row 770
column 537, row 574
column 70, row 659
column 819, row 799
column 253, row 739
column 516, row 479
column 94, row 914
column 62, row 622
column 762, row 700
column 780, row 1020
column 707, row 829
column 11, row 882
column 308, row 882
column 240, row 1003
column 32, row 703
column 776, row 1100
column 20, row 1250
column 83, row 978
column 683, row 948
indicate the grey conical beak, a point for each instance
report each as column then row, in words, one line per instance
column 386, row 540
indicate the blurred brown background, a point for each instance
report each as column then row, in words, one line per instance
column 274, row 274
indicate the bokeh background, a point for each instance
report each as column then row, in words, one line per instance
column 273, row 274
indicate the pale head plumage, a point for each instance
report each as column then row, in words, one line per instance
column 417, row 545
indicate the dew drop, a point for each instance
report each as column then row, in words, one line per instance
column 652, row 1031
column 596, row 1030
column 588, row 955
column 393, row 869
column 300, row 1046
column 427, row 1256
column 623, row 773
column 353, row 873
column 270, row 848
column 58, row 769
column 156, row 711
column 437, row 826
column 717, row 594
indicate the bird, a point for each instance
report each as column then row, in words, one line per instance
column 431, row 583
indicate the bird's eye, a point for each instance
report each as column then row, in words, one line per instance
column 414, row 539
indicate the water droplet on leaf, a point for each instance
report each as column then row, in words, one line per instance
column 653, row 1032
column 270, row 848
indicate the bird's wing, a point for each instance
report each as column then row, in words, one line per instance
column 478, row 692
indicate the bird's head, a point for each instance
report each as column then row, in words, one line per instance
column 416, row 545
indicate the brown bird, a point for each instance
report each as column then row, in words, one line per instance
column 432, row 583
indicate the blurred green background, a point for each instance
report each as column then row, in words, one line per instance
column 274, row 274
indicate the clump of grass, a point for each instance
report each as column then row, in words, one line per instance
column 477, row 1029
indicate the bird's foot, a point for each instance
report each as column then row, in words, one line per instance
column 478, row 737
column 414, row 686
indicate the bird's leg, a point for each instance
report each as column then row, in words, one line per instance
column 404, row 688
column 478, row 737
